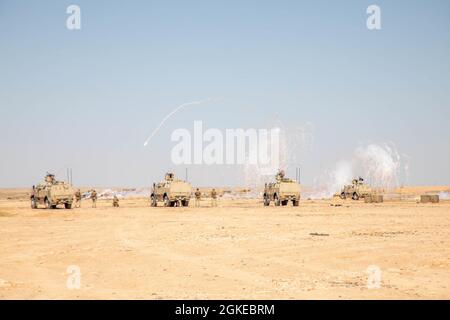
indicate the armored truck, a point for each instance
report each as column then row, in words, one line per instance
column 172, row 192
column 282, row 191
column 52, row 193
column 357, row 190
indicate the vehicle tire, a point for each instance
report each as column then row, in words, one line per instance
column 47, row 204
column 33, row 203
column 167, row 202
column 154, row 203
column 185, row 203
column 343, row 196
column 266, row 201
column 277, row 201
column 295, row 203
column 355, row 196
column 284, row 202
column 68, row 205
column 53, row 206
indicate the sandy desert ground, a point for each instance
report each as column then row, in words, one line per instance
column 240, row 250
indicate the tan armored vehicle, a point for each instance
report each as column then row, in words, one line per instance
column 358, row 189
column 282, row 191
column 171, row 191
column 52, row 193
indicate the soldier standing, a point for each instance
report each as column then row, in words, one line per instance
column 213, row 198
column 280, row 175
column 94, row 198
column 115, row 201
column 198, row 195
column 78, row 199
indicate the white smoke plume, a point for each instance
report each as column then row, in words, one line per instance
column 332, row 181
column 379, row 164
column 294, row 144
column 341, row 175
column 443, row 195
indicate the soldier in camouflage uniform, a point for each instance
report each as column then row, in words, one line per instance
column 94, row 198
column 213, row 198
column 280, row 175
column 115, row 202
column 78, row 199
column 198, row 196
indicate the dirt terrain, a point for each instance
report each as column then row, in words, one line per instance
column 240, row 250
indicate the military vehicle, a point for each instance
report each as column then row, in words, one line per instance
column 172, row 192
column 358, row 189
column 52, row 193
column 282, row 191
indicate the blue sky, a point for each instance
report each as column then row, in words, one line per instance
column 88, row 99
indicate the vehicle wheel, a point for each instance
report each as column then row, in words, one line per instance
column 154, row 202
column 284, row 202
column 355, row 196
column 33, row 203
column 277, row 201
column 53, row 206
column 295, row 203
column 68, row 205
column 185, row 203
column 167, row 203
column 343, row 196
column 47, row 204
column 266, row 201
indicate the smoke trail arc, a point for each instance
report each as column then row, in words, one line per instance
column 171, row 114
